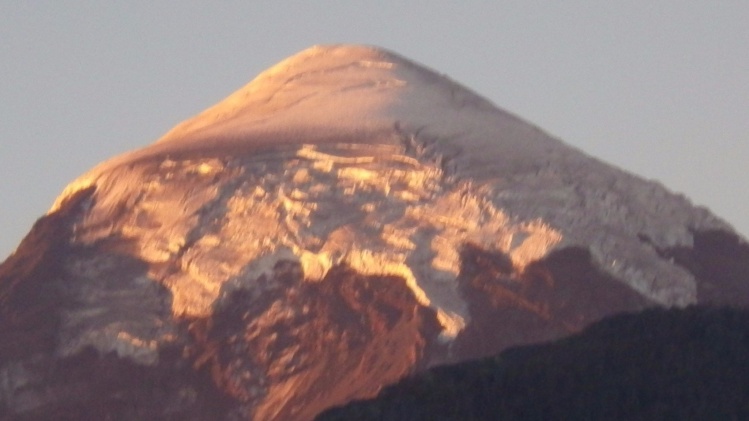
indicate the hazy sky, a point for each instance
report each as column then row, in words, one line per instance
column 660, row 88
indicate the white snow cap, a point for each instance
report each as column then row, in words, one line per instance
column 387, row 167
column 331, row 88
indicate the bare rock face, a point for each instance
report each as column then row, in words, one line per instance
column 345, row 219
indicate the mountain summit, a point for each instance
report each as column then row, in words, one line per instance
column 345, row 219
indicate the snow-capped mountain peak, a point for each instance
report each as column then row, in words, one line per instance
column 351, row 210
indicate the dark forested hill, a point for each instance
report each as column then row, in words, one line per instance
column 658, row 364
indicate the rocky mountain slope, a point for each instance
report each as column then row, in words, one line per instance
column 347, row 218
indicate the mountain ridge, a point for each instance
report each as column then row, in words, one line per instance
column 267, row 244
column 659, row 364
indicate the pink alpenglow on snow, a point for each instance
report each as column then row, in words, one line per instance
column 345, row 219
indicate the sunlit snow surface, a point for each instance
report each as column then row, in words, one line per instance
column 354, row 155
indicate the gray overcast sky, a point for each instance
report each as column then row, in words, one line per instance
column 660, row 88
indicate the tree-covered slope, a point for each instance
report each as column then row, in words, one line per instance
column 658, row 364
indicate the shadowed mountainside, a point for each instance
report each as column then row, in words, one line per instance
column 658, row 364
